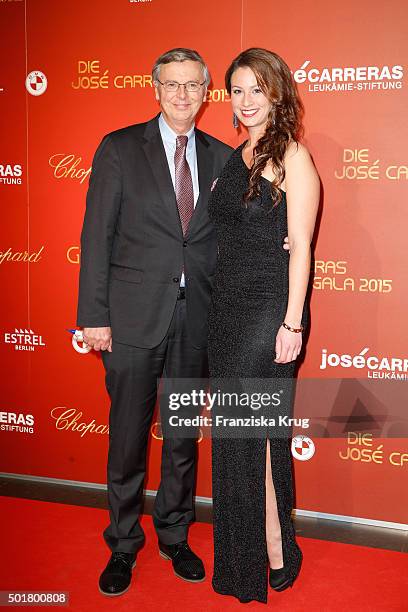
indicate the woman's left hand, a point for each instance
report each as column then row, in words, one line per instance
column 288, row 345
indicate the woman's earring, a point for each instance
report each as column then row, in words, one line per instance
column 235, row 121
column 274, row 116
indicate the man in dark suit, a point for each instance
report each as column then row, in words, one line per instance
column 148, row 255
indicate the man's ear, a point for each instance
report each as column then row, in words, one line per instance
column 156, row 91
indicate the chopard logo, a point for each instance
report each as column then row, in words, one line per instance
column 67, row 166
column 17, row 256
column 70, row 419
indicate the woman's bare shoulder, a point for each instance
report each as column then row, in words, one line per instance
column 296, row 150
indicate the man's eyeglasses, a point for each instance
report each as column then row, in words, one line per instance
column 190, row 86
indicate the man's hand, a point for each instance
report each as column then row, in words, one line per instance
column 99, row 338
column 286, row 244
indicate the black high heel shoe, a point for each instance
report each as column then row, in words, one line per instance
column 279, row 580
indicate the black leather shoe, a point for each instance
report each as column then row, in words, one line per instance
column 115, row 578
column 242, row 600
column 186, row 564
column 279, row 580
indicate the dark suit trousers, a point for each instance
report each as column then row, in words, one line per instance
column 132, row 375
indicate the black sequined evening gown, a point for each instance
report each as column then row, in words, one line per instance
column 248, row 306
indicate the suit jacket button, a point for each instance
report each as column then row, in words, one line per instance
column 185, row 243
column 176, row 279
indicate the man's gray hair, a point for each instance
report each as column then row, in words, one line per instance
column 180, row 55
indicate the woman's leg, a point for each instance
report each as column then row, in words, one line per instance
column 273, row 529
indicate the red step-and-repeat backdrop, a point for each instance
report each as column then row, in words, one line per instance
column 71, row 72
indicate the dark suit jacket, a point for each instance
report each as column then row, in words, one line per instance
column 132, row 246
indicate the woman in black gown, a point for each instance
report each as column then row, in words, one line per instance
column 268, row 189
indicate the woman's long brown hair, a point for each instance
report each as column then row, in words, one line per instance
column 284, row 122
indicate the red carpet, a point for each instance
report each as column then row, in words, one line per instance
column 56, row 547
